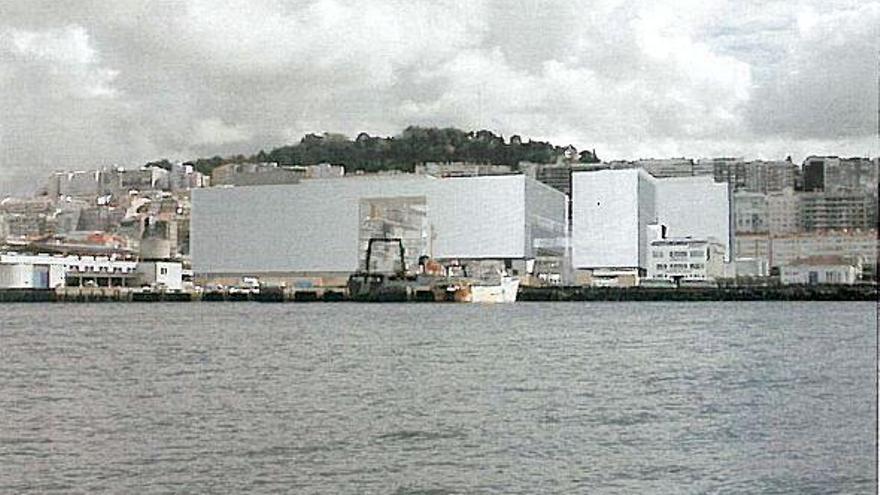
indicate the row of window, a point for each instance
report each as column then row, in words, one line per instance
column 680, row 254
column 100, row 269
column 680, row 266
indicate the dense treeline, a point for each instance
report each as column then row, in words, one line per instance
column 402, row 152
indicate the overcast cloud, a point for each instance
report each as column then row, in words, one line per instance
column 90, row 83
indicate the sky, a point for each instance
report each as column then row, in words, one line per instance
column 86, row 84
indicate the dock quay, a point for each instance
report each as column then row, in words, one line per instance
column 428, row 294
column 730, row 293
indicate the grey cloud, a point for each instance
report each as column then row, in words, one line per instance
column 182, row 79
column 826, row 86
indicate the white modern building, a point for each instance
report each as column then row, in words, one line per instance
column 696, row 207
column 613, row 212
column 44, row 271
column 166, row 275
column 686, row 259
column 30, row 272
column 320, row 228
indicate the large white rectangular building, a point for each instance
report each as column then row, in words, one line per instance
column 695, row 207
column 611, row 210
column 320, row 227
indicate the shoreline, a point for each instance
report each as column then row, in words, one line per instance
column 526, row 294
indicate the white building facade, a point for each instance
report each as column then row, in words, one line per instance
column 43, row 271
column 611, row 210
column 696, row 207
column 686, row 259
column 167, row 275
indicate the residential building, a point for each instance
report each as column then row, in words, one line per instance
column 836, row 175
column 822, row 211
column 255, row 174
column 757, row 176
column 815, row 270
column 460, row 169
column 753, row 246
column 104, row 218
column 685, row 259
column 557, row 176
column 750, row 213
column 74, row 184
column 19, row 225
column 667, row 167
column 861, row 244
column 183, row 177
column 705, row 166
column 27, row 206
column 775, row 176
column 729, row 170
column 323, row 171
column 144, row 179
column 784, row 213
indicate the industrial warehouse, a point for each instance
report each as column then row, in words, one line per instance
column 316, row 233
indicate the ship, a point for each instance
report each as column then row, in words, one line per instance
column 478, row 291
column 432, row 283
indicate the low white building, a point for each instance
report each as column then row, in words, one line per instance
column 686, row 259
column 166, row 275
column 752, row 267
column 44, row 271
column 821, row 270
column 22, row 274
